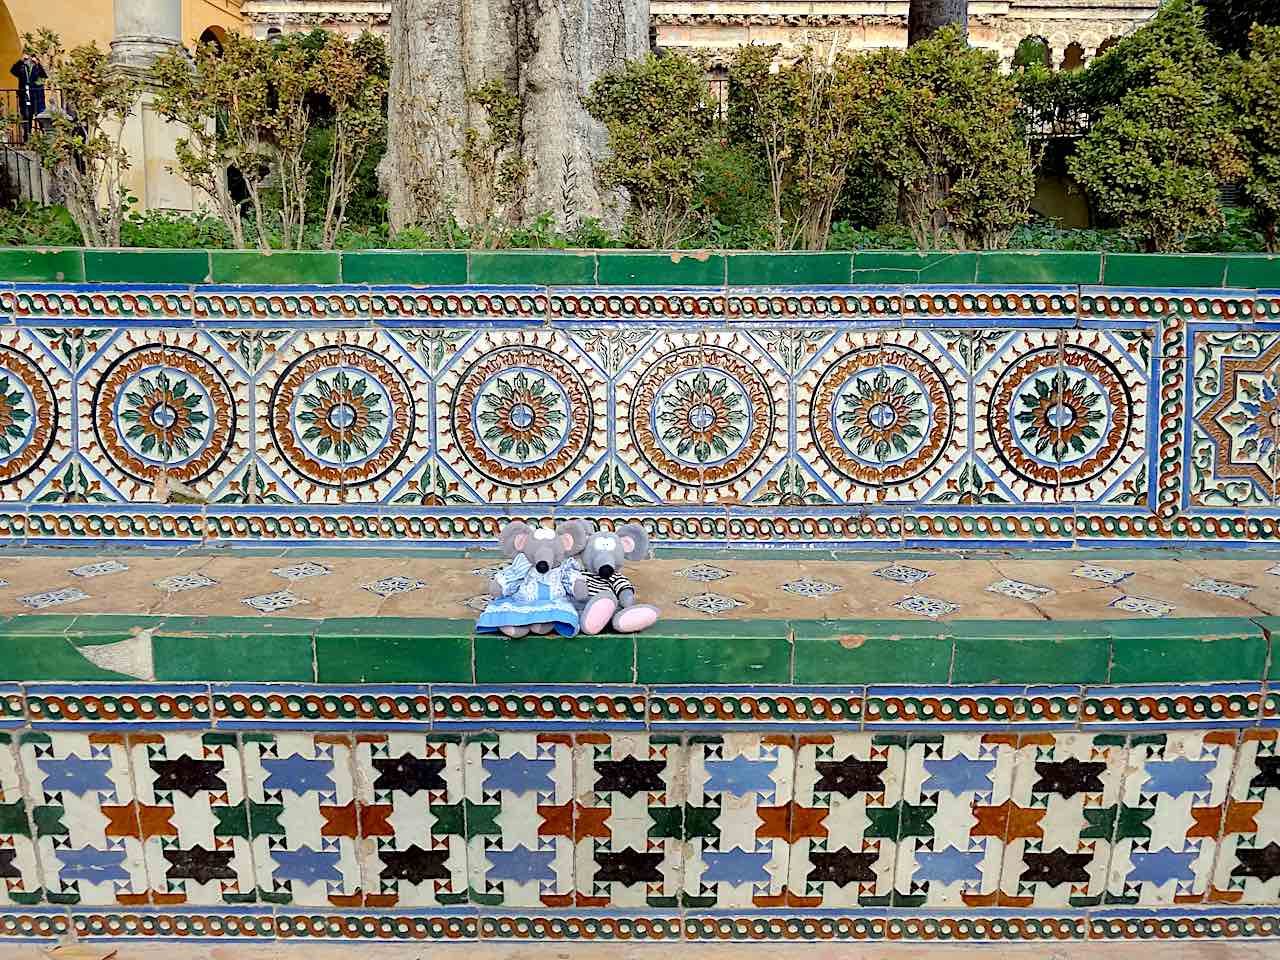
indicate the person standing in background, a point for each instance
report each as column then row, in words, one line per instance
column 31, row 76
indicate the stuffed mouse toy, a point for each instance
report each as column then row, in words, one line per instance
column 609, row 596
column 534, row 593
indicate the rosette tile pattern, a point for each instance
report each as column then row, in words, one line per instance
column 897, row 415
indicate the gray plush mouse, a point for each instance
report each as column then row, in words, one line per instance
column 609, row 596
column 534, row 593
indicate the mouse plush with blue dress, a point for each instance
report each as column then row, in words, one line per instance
column 534, row 593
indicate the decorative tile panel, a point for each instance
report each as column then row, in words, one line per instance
column 1172, row 804
column 194, row 783
column 37, row 412
column 967, row 415
column 519, row 792
column 413, row 816
column 18, row 866
column 741, row 802
column 1064, row 812
column 304, row 818
column 1234, row 379
column 844, row 822
column 90, row 828
column 953, row 819
column 629, row 820
column 521, row 415
column 1248, row 867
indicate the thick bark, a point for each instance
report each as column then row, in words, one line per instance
column 927, row 17
column 547, row 51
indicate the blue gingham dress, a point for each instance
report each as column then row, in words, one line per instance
column 530, row 597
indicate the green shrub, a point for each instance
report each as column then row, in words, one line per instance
column 1229, row 21
column 1154, row 159
column 660, row 119
column 1253, row 95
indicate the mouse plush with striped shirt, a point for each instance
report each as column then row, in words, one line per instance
column 606, row 595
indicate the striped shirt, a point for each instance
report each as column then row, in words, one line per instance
column 598, row 586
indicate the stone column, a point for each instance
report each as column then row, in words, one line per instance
column 146, row 30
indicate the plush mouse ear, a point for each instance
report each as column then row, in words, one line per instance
column 514, row 536
column 573, row 536
column 635, row 542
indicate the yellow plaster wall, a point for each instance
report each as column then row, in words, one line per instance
column 199, row 15
column 82, row 21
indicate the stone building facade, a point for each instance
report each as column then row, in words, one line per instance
column 1074, row 30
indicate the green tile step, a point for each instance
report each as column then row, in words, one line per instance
column 393, row 650
column 673, row 652
column 1187, row 650
column 1036, row 651
column 227, row 648
column 714, row 652
column 872, row 651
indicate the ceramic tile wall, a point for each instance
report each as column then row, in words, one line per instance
column 955, row 821
column 952, row 413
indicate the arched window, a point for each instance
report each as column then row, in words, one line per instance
column 1073, row 56
column 214, row 37
column 1107, row 44
column 1032, row 50
column 273, row 32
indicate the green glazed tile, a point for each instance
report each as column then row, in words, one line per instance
column 788, row 269
column 1036, row 266
column 394, row 650
column 608, row 658
column 415, row 267
column 234, row 649
column 1187, row 650
column 889, row 266
column 724, row 651
column 1271, row 629
column 1163, row 270
column 39, row 624
column 530, row 267
column 871, row 651
column 31, row 265
column 146, row 266
column 282, row 266
column 1033, row 651
column 47, row 653
column 1254, row 272
column 693, row 268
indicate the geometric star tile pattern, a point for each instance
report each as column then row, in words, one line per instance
column 303, row 818
column 192, row 816
column 89, row 826
column 1172, row 803
column 518, row 786
column 953, row 817
column 844, row 822
column 633, row 821
column 1248, row 866
column 740, row 801
column 630, row 819
column 1063, row 815
column 412, row 816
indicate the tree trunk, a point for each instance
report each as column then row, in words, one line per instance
column 547, row 51
column 927, row 17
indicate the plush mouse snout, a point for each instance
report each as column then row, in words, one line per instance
column 606, row 571
column 542, row 566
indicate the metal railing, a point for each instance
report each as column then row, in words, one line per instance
column 16, row 130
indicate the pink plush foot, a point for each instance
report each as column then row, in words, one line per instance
column 634, row 619
column 597, row 615
column 516, row 632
